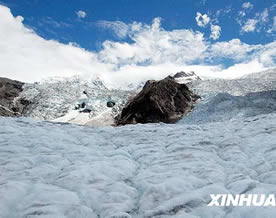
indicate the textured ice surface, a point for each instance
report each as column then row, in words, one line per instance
column 226, row 145
column 64, row 170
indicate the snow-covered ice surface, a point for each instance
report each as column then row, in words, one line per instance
column 59, row 170
column 64, row 170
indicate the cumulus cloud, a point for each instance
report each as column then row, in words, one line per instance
column 119, row 28
column 247, row 5
column 154, row 45
column 257, row 23
column 152, row 54
column 81, row 14
column 267, row 55
column 223, row 11
column 248, row 58
column 215, row 32
column 250, row 25
column 273, row 26
column 263, row 17
column 202, row 19
column 34, row 56
column 244, row 53
column 246, row 8
column 242, row 14
column 233, row 49
column 274, row 23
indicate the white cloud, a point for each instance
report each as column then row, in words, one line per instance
column 152, row 44
column 233, row 49
column 81, row 14
column 153, row 53
column 54, row 23
column 34, row 56
column 268, row 54
column 249, row 58
column 257, row 23
column 119, row 28
column 247, row 5
column 250, row 25
column 241, row 69
column 272, row 7
column 246, row 8
column 273, row 27
column 202, row 19
column 264, row 16
column 215, row 32
column 242, row 14
column 244, row 53
column 223, row 11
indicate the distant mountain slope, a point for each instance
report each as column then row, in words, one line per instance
column 59, row 99
column 255, row 82
column 223, row 107
column 9, row 90
column 223, row 100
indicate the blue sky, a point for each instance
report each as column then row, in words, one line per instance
column 58, row 19
column 139, row 36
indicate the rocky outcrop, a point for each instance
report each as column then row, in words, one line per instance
column 9, row 90
column 159, row 101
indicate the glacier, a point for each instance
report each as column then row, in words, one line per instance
column 226, row 145
column 55, row 99
column 58, row 99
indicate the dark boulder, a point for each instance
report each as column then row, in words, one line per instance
column 110, row 104
column 87, row 110
column 159, row 101
column 80, row 106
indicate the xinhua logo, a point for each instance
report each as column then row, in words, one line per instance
column 259, row 200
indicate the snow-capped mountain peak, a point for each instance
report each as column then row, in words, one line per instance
column 186, row 77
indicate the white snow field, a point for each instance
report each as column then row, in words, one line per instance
column 64, row 170
column 227, row 145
